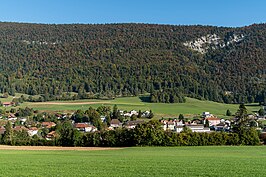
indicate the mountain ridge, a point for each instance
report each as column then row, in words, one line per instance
column 128, row 59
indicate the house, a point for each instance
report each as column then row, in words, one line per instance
column 11, row 117
column 2, row 130
column 145, row 114
column 84, row 127
column 115, row 123
column 212, row 121
column 206, row 114
column 133, row 124
column 164, row 124
column 198, row 128
column 179, row 128
column 23, row 120
column 20, row 128
column 171, row 125
column 223, row 126
column 131, row 113
column 51, row 135
column 128, row 114
column 103, row 118
column 48, row 124
column 121, row 112
column 7, row 104
column 32, row 131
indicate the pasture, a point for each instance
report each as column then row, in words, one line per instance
column 137, row 161
column 191, row 107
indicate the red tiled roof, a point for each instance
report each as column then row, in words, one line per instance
column 20, row 128
column 33, row 128
column 52, row 134
column 81, row 125
column 8, row 103
column 48, row 124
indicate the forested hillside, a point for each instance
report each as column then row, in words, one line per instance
column 170, row 62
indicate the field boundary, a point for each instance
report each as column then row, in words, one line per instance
column 55, row 148
column 68, row 103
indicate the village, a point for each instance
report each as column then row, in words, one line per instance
column 44, row 126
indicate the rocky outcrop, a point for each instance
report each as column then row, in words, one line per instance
column 212, row 41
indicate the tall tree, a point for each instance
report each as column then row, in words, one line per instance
column 9, row 134
column 115, row 112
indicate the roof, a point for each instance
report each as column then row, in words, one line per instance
column 20, row 128
column 81, row 125
column 52, row 134
column 7, row 103
column 33, row 128
column 134, row 122
column 222, row 124
column 198, row 125
column 11, row 115
column 48, row 124
column 115, row 121
column 171, row 122
column 179, row 126
column 213, row 118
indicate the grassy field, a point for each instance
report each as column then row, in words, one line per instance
column 192, row 106
column 137, row 161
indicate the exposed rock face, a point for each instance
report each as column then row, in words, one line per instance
column 212, row 41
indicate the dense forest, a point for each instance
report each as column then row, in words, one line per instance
column 107, row 61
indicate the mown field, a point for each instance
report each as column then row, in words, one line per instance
column 191, row 107
column 138, row 161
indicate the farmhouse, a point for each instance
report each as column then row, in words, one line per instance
column 33, row 131
column 131, row 113
column 20, row 128
column 172, row 125
column 48, row 124
column 84, row 127
column 115, row 123
column 12, row 117
column 198, row 128
column 212, row 120
column 51, row 135
column 132, row 124
column 7, row 104
column 206, row 114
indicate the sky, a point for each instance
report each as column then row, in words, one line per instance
column 231, row 13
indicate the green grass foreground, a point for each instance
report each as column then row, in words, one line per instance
column 138, row 161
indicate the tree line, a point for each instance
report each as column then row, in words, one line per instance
column 146, row 134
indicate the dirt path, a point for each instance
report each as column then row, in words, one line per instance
column 54, row 148
column 68, row 103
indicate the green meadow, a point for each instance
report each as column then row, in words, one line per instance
column 138, row 161
column 191, row 107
